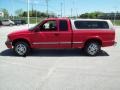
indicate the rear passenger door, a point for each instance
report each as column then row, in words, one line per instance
column 65, row 34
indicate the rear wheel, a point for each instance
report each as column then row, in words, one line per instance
column 21, row 48
column 92, row 48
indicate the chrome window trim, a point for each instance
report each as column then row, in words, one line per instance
column 107, row 21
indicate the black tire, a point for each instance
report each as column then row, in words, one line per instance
column 92, row 48
column 21, row 48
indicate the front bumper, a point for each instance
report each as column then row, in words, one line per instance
column 8, row 44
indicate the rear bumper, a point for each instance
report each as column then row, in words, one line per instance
column 115, row 43
column 8, row 44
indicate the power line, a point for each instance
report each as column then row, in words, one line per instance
column 28, row 13
column 64, row 7
column 71, row 12
column 47, row 6
column 61, row 9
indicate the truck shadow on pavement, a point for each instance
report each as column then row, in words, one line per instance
column 53, row 53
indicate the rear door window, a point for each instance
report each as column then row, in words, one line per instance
column 63, row 26
column 91, row 25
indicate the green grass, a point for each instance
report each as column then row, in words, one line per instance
column 117, row 22
column 32, row 19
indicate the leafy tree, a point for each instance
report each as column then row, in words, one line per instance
column 5, row 11
column 33, row 13
column 85, row 15
column 92, row 15
column 24, row 14
column 19, row 12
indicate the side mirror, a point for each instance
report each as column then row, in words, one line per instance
column 43, row 27
column 37, row 29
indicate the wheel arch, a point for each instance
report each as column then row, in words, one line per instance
column 99, row 41
column 22, row 40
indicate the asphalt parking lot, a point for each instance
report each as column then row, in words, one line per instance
column 59, row 69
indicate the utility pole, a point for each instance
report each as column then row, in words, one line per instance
column 115, row 13
column 12, row 8
column 61, row 8
column 36, row 2
column 28, row 13
column 64, row 8
column 32, row 9
column 114, row 17
column 47, row 7
column 71, row 12
column 36, row 14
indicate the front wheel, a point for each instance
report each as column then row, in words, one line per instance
column 92, row 48
column 21, row 48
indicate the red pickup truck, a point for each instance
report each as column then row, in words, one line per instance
column 64, row 33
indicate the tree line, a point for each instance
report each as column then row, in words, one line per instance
column 91, row 15
column 32, row 13
column 101, row 15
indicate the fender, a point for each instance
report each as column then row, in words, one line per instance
column 94, row 38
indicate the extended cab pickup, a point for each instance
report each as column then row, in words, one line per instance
column 59, row 33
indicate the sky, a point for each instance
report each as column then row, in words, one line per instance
column 68, row 7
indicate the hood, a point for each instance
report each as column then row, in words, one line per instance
column 18, row 32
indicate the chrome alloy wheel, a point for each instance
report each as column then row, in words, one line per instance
column 92, row 49
column 21, row 49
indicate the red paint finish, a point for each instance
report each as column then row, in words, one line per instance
column 55, row 38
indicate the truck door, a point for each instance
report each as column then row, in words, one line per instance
column 47, row 37
column 65, row 34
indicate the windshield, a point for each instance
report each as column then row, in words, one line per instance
column 31, row 28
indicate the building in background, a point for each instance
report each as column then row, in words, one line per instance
column 1, row 14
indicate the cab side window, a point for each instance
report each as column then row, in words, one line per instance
column 49, row 26
column 63, row 26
